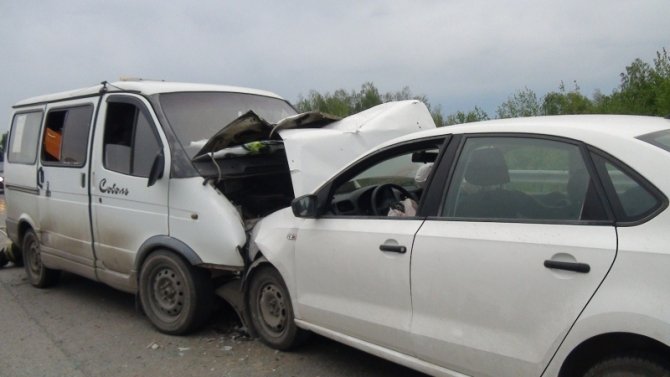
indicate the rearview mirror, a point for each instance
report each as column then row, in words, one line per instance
column 157, row 168
column 424, row 156
column 304, row 206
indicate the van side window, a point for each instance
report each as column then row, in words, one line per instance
column 23, row 138
column 65, row 139
column 130, row 143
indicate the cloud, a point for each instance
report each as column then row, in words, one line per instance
column 459, row 53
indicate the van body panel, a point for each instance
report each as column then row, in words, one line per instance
column 203, row 218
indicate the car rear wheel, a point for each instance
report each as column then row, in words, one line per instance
column 38, row 275
column 175, row 295
column 271, row 310
column 629, row 366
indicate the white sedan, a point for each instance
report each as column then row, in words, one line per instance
column 517, row 247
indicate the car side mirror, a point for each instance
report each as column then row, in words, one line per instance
column 157, row 168
column 305, row 206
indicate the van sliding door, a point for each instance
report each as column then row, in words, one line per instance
column 63, row 177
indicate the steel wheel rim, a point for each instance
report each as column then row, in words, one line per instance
column 34, row 260
column 273, row 310
column 168, row 292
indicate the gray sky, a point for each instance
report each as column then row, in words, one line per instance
column 459, row 53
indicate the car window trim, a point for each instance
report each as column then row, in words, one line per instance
column 325, row 192
column 612, row 196
column 459, row 144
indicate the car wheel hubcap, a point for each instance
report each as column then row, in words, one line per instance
column 168, row 291
column 273, row 308
column 34, row 260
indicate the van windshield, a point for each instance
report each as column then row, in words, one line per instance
column 197, row 116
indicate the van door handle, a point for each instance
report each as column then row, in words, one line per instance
column 40, row 177
column 393, row 248
column 568, row 266
column 83, row 180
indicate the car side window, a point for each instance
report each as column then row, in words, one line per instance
column 521, row 179
column 130, row 142
column 23, row 138
column 65, row 140
column 633, row 200
column 391, row 186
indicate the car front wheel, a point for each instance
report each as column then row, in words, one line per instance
column 271, row 310
column 629, row 366
column 175, row 295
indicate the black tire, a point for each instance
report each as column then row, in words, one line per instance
column 176, row 296
column 271, row 310
column 629, row 366
column 38, row 275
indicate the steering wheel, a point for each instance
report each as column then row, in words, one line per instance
column 389, row 192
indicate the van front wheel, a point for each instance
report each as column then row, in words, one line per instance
column 38, row 275
column 175, row 295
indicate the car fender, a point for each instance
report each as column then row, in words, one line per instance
column 273, row 240
column 16, row 233
column 166, row 242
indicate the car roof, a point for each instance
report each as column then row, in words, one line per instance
column 580, row 127
column 146, row 87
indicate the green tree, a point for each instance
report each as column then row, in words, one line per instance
column 563, row 102
column 644, row 89
column 523, row 103
column 342, row 103
column 459, row 117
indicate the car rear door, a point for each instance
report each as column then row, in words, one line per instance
column 518, row 241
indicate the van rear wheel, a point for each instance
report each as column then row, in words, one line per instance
column 38, row 275
column 175, row 295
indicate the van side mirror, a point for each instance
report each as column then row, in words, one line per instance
column 157, row 168
column 305, row 206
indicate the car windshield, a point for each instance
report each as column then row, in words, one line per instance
column 197, row 116
column 660, row 139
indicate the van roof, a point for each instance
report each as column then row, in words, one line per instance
column 140, row 86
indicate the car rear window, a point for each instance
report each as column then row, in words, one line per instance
column 660, row 139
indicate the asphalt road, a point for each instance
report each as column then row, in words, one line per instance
column 82, row 328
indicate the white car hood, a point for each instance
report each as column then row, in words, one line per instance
column 314, row 155
column 316, row 144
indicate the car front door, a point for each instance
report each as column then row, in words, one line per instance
column 126, row 210
column 353, row 264
column 514, row 250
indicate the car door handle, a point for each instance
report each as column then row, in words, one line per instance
column 393, row 248
column 40, row 177
column 568, row 266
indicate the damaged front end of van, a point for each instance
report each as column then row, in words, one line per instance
column 260, row 167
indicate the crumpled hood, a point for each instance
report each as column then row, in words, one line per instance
column 314, row 155
column 250, row 127
column 317, row 145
